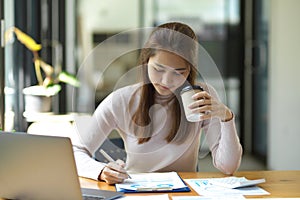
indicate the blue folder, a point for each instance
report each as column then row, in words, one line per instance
column 184, row 189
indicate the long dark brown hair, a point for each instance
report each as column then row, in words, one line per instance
column 179, row 39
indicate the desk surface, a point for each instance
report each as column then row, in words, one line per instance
column 278, row 183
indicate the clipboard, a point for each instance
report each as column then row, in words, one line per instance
column 153, row 182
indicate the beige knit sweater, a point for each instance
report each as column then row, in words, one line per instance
column 156, row 154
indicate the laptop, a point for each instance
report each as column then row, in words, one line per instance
column 41, row 167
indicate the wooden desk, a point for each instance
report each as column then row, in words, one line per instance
column 278, row 183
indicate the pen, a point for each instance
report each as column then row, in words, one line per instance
column 110, row 159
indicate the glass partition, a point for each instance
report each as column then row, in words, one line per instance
column 216, row 22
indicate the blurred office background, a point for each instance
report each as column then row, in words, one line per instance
column 254, row 43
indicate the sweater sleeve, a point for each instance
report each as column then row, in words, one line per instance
column 223, row 142
column 90, row 134
column 224, row 145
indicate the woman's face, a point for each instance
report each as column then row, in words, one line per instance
column 167, row 72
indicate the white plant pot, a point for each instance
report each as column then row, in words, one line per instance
column 37, row 99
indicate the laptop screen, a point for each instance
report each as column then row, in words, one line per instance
column 37, row 167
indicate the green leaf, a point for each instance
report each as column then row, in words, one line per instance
column 53, row 89
column 69, row 79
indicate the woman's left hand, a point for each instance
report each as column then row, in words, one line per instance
column 210, row 107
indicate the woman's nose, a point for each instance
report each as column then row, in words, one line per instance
column 167, row 79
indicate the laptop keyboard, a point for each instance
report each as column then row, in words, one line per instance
column 84, row 197
column 97, row 194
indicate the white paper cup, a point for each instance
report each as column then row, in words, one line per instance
column 186, row 96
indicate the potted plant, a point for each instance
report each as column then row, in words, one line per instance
column 38, row 97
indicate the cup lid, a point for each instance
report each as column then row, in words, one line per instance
column 191, row 87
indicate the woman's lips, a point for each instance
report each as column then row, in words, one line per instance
column 163, row 87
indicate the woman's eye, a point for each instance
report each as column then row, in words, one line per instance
column 178, row 74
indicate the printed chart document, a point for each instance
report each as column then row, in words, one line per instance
column 213, row 197
column 153, row 182
column 230, row 197
column 235, row 182
column 206, row 188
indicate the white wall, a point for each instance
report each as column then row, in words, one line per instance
column 284, row 77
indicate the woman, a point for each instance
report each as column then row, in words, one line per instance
column 150, row 119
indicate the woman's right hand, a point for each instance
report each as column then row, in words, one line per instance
column 114, row 172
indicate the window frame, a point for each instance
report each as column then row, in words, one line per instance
column 2, row 68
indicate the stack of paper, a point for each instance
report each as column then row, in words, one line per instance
column 207, row 188
column 235, row 182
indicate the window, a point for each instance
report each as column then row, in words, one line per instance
column 44, row 21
